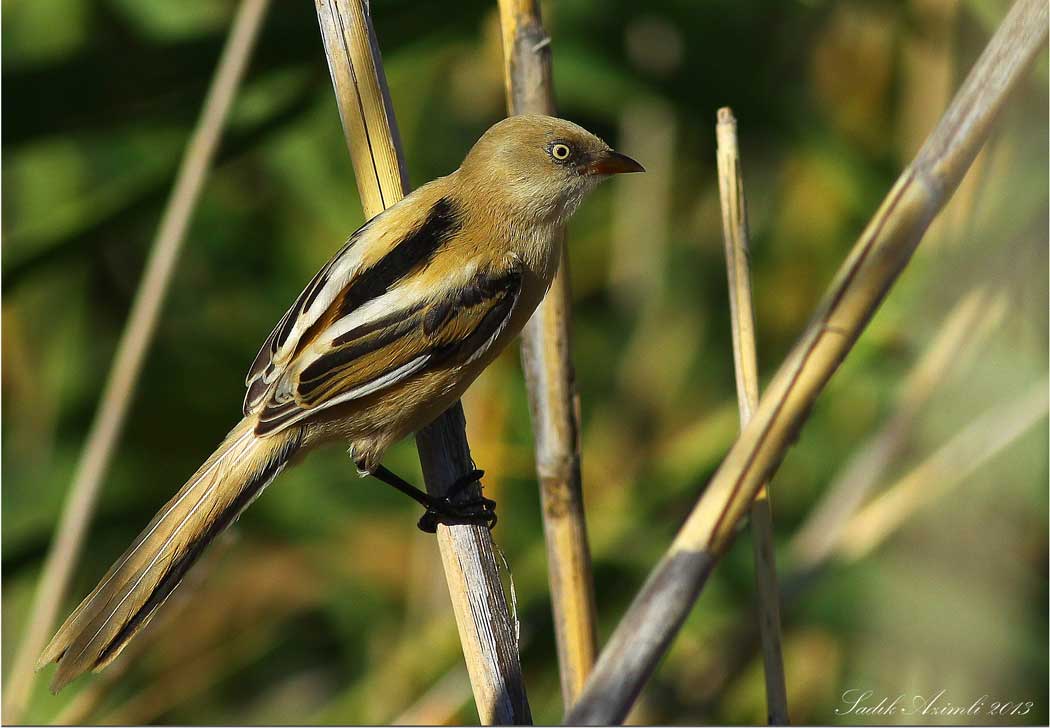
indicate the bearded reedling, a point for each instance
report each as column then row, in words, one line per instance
column 387, row 335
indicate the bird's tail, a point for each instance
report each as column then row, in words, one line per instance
column 134, row 587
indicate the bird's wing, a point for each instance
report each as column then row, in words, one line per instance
column 359, row 328
column 287, row 336
column 382, row 252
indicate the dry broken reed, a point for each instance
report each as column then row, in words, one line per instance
column 877, row 259
column 745, row 364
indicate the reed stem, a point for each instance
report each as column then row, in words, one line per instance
column 102, row 439
column 745, row 362
column 877, row 259
column 546, row 355
column 486, row 630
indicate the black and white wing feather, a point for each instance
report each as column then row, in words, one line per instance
column 361, row 327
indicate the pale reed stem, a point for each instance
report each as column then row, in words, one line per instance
column 486, row 629
column 745, row 362
column 884, row 249
column 131, row 353
column 546, row 355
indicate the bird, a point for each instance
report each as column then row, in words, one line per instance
column 386, row 336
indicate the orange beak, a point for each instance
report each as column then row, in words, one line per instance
column 611, row 162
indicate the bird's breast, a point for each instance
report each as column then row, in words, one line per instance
column 540, row 251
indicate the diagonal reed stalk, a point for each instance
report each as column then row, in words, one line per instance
column 963, row 332
column 877, row 259
column 546, row 355
column 745, row 363
column 931, row 481
column 486, row 629
column 135, row 340
column 988, row 435
column 824, row 536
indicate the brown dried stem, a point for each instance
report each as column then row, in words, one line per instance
column 546, row 354
column 131, row 353
column 486, row 628
column 735, row 234
column 872, row 267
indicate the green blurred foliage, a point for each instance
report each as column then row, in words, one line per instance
column 327, row 605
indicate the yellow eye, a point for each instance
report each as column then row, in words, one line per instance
column 560, row 152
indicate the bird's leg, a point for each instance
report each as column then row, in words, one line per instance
column 477, row 510
column 480, row 511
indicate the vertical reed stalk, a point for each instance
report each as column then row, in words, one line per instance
column 735, row 233
column 486, row 629
column 135, row 340
column 822, row 540
column 864, row 279
column 546, row 355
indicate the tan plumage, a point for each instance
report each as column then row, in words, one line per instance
column 387, row 335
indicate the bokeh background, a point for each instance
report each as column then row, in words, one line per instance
column 326, row 605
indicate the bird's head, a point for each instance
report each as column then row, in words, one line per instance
column 540, row 167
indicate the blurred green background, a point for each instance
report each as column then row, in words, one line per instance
column 326, row 604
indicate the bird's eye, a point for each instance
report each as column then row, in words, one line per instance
column 560, row 151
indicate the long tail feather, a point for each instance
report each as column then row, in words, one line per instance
column 143, row 578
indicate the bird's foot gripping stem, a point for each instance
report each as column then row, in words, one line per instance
column 447, row 509
column 478, row 510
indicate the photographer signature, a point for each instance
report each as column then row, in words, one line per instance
column 856, row 701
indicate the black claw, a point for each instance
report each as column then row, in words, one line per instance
column 428, row 522
column 478, row 510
